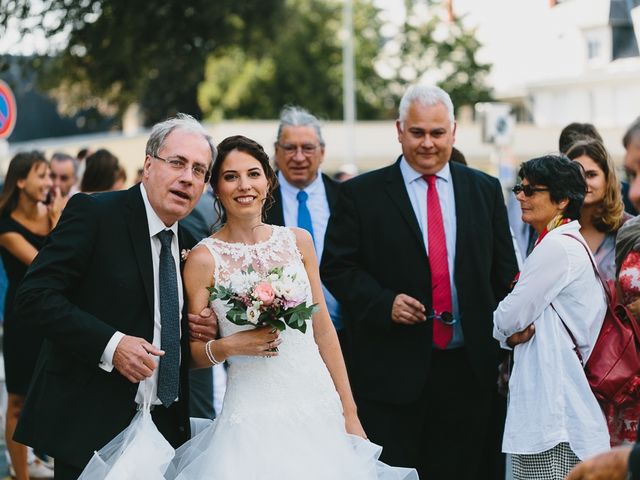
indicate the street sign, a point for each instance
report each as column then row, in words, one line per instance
column 7, row 110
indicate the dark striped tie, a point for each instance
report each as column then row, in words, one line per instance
column 168, row 375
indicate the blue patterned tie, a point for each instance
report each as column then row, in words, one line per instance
column 304, row 216
column 168, row 375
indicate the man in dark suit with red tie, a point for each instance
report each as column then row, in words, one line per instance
column 419, row 254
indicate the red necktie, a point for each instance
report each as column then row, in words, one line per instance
column 440, row 281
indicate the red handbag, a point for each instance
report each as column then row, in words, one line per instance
column 613, row 368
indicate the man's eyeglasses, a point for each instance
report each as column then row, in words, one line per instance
column 290, row 149
column 444, row 317
column 528, row 190
column 199, row 171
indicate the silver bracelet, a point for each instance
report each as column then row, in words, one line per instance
column 209, row 353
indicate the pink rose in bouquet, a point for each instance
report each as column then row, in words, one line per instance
column 264, row 293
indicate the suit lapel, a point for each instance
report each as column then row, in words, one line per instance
column 397, row 190
column 464, row 217
column 331, row 189
column 139, row 231
column 275, row 213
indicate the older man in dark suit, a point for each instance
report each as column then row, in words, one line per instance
column 106, row 293
column 419, row 254
column 304, row 196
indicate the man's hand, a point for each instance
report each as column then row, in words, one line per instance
column 132, row 358
column 612, row 465
column 203, row 327
column 522, row 336
column 407, row 310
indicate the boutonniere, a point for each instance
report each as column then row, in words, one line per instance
column 184, row 254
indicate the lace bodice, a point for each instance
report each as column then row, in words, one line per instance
column 298, row 370
column 279, row 250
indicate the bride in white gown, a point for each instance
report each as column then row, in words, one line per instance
column 287, row 414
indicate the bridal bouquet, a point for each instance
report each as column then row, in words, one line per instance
column 277, row 298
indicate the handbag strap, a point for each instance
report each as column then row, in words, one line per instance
column 573, row 339
column 604, row 284
column 607, row 290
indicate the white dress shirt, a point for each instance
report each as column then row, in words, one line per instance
column 550, row 400
column 319, row 209
column 155, row 226
column 417, row 189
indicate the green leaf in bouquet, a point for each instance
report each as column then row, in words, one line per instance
column 276, row 323
column 238, row 316
column 220, row 292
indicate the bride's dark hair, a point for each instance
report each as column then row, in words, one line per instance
column 250, row 147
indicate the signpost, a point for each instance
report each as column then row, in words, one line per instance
column 7, row 110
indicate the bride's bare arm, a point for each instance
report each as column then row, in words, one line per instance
column 197, row 276
column 326, row 337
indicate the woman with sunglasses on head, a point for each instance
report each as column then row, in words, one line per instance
column 553, row 418
column 25, row 222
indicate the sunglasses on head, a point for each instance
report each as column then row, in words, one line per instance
column 528, row 190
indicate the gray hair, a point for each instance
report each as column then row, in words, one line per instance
column 64, row 157
column 631, row 133
column 294, row 116
column 181, row 121
column 427, row 95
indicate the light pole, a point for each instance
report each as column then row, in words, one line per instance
column 348, row 82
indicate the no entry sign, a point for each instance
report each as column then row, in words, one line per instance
column 7, row 110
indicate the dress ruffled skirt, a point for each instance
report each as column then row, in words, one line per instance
column 275, row 448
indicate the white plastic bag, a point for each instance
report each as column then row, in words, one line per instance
column 139, row 452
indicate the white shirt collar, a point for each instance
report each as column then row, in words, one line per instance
column 155, row 224
column 292, row 190
column 411, row 175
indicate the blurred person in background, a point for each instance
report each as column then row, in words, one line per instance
column 577, row 131
column 346, row 172
column 25, row 222
column 631, row 142
column 81, row 157
column 64, row 174
column 584, row 131
column 101, row 172
column 304, row 196
column 602, row 211
column 553, row 418
column 121, row 179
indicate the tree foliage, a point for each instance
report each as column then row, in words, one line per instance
column 304, row 63
column 429, row 48
column 302, row 66
column 124, row 51
column 229, row 58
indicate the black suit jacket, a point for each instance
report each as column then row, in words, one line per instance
column 374, row 250
column 275, row 214
column 94, row 276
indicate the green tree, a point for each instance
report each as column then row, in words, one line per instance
column 303, row 65
column 443, row 52
column 118, row 52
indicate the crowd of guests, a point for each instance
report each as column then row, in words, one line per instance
column 35, row 191
column 431, row 285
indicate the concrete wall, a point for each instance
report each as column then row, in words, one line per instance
column 376, row 144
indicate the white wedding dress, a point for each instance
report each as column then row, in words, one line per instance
column 282, row 417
